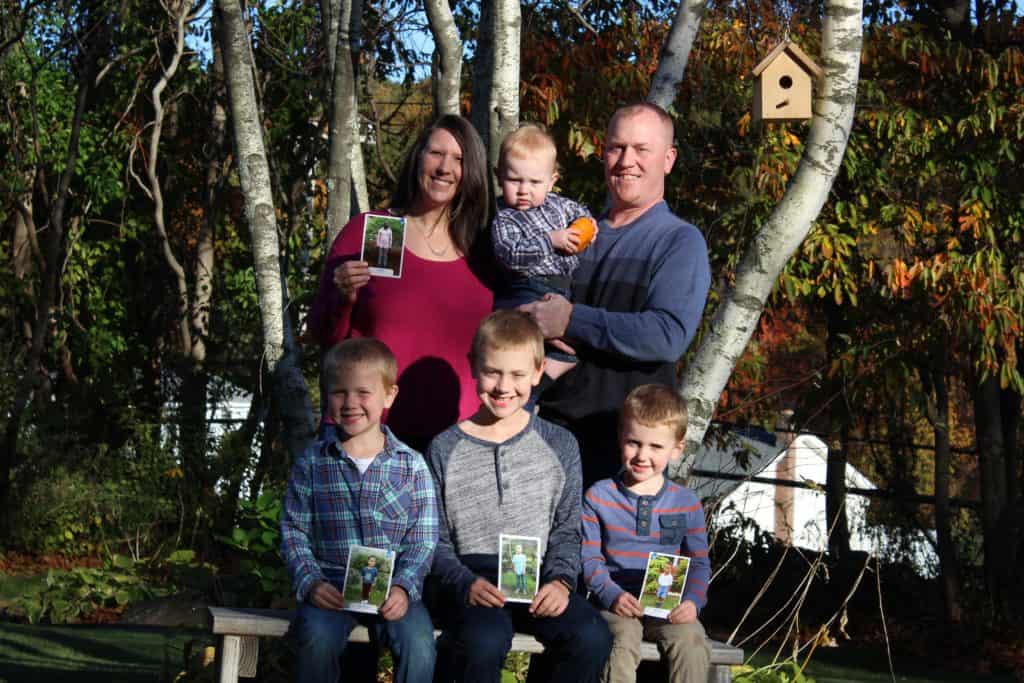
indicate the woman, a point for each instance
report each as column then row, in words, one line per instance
column 429, row 315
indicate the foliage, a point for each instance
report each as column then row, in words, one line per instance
column 257, row 537
column 786, row 672
column 67, row 596
column 99, row 500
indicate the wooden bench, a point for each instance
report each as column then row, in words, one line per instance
column 239, row 631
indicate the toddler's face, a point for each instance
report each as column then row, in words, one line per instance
column 371, row 561
column 519, row 549
column 526, row 181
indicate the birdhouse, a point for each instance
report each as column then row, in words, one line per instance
column 782, row 84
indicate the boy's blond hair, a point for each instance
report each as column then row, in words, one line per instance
column 529, row 140
column 360, row 351
column 653, row 405
column 503, row 329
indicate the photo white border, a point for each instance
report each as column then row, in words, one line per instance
column 363, row 256
column 367, row 608
column 512, row 538
column 657, row 611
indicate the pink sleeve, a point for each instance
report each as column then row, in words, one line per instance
column 330, row 316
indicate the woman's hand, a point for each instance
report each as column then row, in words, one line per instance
column 349, row 277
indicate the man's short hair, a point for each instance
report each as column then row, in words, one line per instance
column 529, row 140
column 360, row 351
column 506, row 328
column 654, row 405
column 637, row 107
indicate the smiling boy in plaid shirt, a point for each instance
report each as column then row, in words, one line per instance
column 359, row 486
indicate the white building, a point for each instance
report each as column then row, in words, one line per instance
column 794, row 515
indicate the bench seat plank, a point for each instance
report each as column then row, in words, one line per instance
column 272, row 623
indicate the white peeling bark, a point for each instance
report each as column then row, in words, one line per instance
column 447, row 76
column 254, row 173
column 496, row 79
column 504, row 101
column 709, row 371
column 279, row 349
column 344, row 142
column 676, row 52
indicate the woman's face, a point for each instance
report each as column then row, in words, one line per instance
column 440, row 170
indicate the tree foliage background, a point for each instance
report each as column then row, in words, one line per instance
column 128, row 291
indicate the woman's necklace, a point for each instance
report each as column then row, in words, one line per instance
column 427, row 235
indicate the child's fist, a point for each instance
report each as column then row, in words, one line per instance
column 585, row 228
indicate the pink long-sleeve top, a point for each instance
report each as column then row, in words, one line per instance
column 427, row 318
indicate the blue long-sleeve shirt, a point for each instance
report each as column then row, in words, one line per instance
column 330, row 507
column 621, row 529
column 638, row 296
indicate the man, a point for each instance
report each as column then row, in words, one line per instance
column 638, row 293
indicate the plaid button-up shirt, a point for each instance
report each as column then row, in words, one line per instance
column 330, row 507
column 521, row 241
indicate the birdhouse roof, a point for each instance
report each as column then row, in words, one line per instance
column 795, row 53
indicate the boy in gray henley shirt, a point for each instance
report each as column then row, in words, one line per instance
column 505, row 471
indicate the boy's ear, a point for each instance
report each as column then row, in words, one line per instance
column 677, row 451
column 390, row 395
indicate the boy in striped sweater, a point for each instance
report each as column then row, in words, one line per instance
column 637, row 512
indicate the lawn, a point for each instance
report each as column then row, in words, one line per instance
column 863, row 665
column 100, row 654
column 91, row 654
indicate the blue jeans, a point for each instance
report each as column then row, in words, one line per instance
column 321, row 637
column 577, row 641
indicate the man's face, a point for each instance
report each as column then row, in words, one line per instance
column 638, row 155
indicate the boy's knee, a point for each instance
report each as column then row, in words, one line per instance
column 322, row 631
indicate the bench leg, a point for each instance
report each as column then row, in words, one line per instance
column 230, row 652
column 720, row 673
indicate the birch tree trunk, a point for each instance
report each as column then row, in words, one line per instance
column 279, row 352
column 344, row 162
column 496, row 101
column 446, row 79
column 734, row 323
column 676, row 52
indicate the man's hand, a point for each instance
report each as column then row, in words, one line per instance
column 566, row 241
column 552, row 314
column 626, row 605
column 483, row 593
column 396, row 605
column 349, row 277
column 325, row 596
column 684, row 613
column 551, row 600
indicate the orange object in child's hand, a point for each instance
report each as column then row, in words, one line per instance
column 585, row 229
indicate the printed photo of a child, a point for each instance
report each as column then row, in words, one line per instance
column 663, row 583
column 367, row 578
column 383, row 244
column 519, row 570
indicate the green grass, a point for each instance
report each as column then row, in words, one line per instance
column 869, row 665
column 91, row 654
